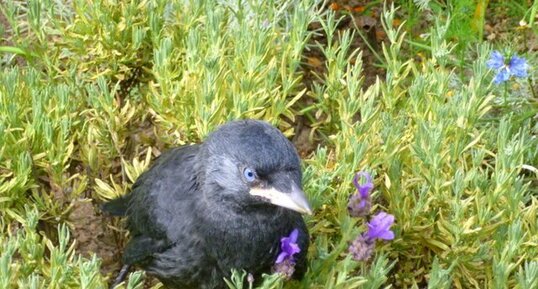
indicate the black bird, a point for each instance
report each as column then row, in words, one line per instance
column 204, row 209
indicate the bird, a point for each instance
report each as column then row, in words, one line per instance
column 202, row 210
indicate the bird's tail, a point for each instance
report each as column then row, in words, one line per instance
column 117, row 207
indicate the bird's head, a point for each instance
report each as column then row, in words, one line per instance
column 250, row 163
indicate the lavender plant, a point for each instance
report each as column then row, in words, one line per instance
column 362, row 248
column 92, row 91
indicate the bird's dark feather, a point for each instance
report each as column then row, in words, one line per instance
column 117, row 207
column 141, row 248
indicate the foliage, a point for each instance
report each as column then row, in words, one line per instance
column 29, row 260
column 91, row 91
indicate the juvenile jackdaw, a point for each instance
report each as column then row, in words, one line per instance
column 204, row 209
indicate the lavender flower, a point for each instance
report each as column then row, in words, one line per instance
column 379, row 227
column 361, row 248
column 289, row 247
column 285, row 262
column 286, row 268
column 359, row 203
column 517, row 66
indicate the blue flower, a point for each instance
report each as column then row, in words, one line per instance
column 517, row 66
column 359, row 203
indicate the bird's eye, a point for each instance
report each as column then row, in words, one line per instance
column 249, row 174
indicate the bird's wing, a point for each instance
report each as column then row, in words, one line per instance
column 141, row 247
column 159, row 198
column 164, row 194
column 118, row 207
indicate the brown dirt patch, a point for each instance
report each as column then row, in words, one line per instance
column 93, row 236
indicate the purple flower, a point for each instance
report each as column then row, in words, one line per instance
column 379, row 227
column 285, row 263
column 517, row 66
column 365, row 189
column 289, row 247
column 359, row 203
column 361, row 248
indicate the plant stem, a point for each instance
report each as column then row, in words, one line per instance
column 505, row 92
column 532, row 88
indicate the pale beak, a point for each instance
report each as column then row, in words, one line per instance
column 294, row 200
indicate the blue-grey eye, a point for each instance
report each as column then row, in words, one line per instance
column 249, row 174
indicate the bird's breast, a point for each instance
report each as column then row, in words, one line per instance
column 246, row 242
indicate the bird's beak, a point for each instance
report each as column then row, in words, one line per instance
column 294, row 200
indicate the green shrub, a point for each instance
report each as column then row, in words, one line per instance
column 90, row 92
